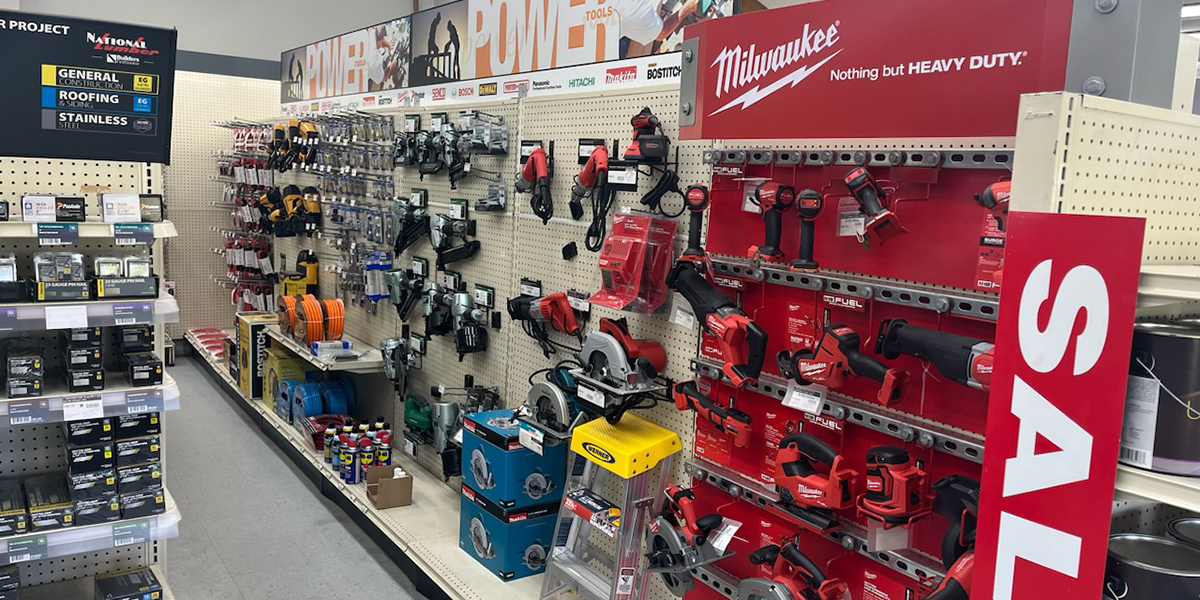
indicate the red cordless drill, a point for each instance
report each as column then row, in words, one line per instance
column 809, row 204
column 535, row 179
column 696, row 201
column 995, row 199
column 836, row 356
column 743, row 342
column 895, row 488
column 965, row 360
column 807, row 493
column 773, row 198
column 795, row 571
column 882, row 224
column 728, row 420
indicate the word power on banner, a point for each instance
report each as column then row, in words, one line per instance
column 1057, row 399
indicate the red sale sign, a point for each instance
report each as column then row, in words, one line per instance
column 1056, row 405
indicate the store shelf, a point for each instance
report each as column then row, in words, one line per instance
column 1168, row 284
column 90, row 229
column 121, row 400
column 91, row 538
column 371, row 362
column 84, row 587
column 422, row 538
column 1183, row 492
column 41, row 316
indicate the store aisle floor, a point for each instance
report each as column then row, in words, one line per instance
column 253, row 527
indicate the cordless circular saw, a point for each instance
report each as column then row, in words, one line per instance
column 612, row 357
column 678, row 541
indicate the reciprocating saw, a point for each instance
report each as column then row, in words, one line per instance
column 966, row 360
column 836, row 356
column 728, row 420
column 743, row 342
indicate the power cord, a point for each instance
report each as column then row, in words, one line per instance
column 667, row 183
column 601, row 201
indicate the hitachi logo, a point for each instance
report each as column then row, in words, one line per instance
column 738, row 68
column 108, row 43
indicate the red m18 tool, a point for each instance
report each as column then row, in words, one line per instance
column 773, row 198
column 795, row 571
column 995, row 199
column 809, row 204
column 679, row 508
column 678, row 540
column 535, row 179
column 728, row 420
column 896, row 494
column 966, row 360
column 696, row 201
column 956, row 585
column 743, row 342
column 836, row 356
column 637, row 350
column 882, row 224
column 591, row 180
column 806, row 492
column 957, row 500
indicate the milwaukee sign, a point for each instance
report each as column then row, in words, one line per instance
column 1056, row 405
column 737, row 68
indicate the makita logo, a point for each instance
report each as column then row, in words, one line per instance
column 738, row 67
column 663, row 72
column 107, row 43
column 620, row 75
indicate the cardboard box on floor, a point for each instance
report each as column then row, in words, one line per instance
column 386, row 490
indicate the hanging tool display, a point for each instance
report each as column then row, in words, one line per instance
column 650, row 144
column 957, row 500
column 410, row 221
column 454, row 311
column 405, row 288
column 592, row 183
column 772, row 198
column 442, row 231
column 614, row 358
column 995, row 199
column 881, row 224
column 535, row 180
column 696, row 200
column 809, row 205
column 456, row 150
column 429, row 153
column 812, row 481
column 837, row 356
column 731, row 421
column 794, row 576
column 895, row 497
column 743, row 342
column 536, row 312
column 302, row 280
column 965, row 360
column 668, row 183
column 678, row 540
column 398, row 359
column 552, row 405
column 435, row 308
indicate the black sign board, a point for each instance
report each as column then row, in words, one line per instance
column 85, row 89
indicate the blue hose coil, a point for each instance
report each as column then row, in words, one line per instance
column 306, row 400
column 335, row 398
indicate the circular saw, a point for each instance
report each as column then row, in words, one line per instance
column 537, row 485
column 679, row 541
column 535, row 557
column 481, row 471
column 612, row 357
column 549, row 406
column 481, row 540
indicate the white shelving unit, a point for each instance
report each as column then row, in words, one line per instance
column 42, row 316
column 114, row 401
column 370, row 362
column 91, row 229
column 84, row 587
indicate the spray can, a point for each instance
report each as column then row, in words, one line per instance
column 330, row 433
column 349, row 460
column 383, row 448
column 340, row 443
column 366, row 457
column 363, row 429
column 380, row 424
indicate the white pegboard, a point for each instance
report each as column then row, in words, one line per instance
column 189, row 190
column 84, row 565
column 1147, row 518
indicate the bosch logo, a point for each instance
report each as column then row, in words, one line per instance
column 663, row 72
column 464, row 92
column 598, row 453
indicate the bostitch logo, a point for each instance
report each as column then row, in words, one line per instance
column 487, row 89
column 598, row 453
column 855, row 304
column 738, row 67
column 383, row 101
column 439, row 93
column 671, row 72
column 512, row 87
column 106, row 43
column 620, row 75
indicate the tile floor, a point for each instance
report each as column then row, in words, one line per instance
column 253, row 526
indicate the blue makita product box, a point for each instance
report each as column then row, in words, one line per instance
column 511, row 543
column 495, row 464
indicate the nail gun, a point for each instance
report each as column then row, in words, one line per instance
column 442, row 231
column 405, row 287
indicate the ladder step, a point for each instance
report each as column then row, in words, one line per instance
column 566, row 567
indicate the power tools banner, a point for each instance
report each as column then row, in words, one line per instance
column 86, row 89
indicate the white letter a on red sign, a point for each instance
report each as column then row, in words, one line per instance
column 1029, row 472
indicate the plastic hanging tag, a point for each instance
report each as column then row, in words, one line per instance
column 681, row 312
column 806, row 398
column 720, row 540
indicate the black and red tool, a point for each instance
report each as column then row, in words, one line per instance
column 995, row 199
column 696, row 202
column 728, row 420
column 537, row 311
column 809, row 204
column 592, row 180
column 812, row 482
column 679, row 508
column 881, row 224
column 772, row 198
column 637, row 350
column 650, row 144
column 743, row 342
column 836, row 357
column 957, row 500
column 896, row 494
column 956, row 585
column 967, row 361
column 535, row 180
column 794, row 571
column 679, row 540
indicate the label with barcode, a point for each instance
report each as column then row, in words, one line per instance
column 26, row 549
column 1135, row 457
column 420, row 267
column 458, row 208
column 579, row 301
column 681, row 312
column 451, row 280
column 133, row 234
column 84, row 407
column 593, row 396
column 8, row 319
column 1140, row 424
column 58, row 234
column 144, row 402
column 622, row 176
column 720, row 540
column 131, row 532
column 484, row 295
column 28, row 412
column 808, row 398
column 133, row 314
column 530, row 437
column 531, row 287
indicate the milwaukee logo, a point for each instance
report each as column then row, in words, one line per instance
column 107, row 43
column 811, row 368
column 738, row 68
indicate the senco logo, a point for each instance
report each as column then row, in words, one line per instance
column 598, row 453
column 620, row 75
column 738, row 67
column 580, row 82
column 439, row 93
column 513, row 87
column 487, row 89
column 855, row 304
column 106, row 43
column 653, row 72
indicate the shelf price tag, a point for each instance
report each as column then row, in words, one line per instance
column 133, row 234
column 28, row 412
column 137, row 313
column 458, row 208
column 531, row 438
column 594, row 396
column 26, row 549
column 8, row 319
column 808, row 398
column 485, row 296
column 143, row 402
column 131, row 532
column 58, row 234
column 83, row 407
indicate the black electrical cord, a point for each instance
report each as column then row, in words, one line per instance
column 541, row 335
column 601, row 200
column 668, row 183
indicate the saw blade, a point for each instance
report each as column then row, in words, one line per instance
column 598, row 367
column 481, row 471
column 480, row 539
column 535, row 557
column 668, row 558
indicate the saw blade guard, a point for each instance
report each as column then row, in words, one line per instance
column 481, row 471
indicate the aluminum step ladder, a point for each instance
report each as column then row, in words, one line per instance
column 629, row 461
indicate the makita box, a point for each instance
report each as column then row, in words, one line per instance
column 495, row 464
column 252, row 343
column 510, row 543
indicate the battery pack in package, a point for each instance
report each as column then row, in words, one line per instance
column 634, row 262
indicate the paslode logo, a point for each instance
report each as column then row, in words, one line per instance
column 653, row 72
column 738, row 68
column 620, row 75
column 106, row 43
column 598, row 453
column 438, row 93
column 512, row 87
column 487, row 89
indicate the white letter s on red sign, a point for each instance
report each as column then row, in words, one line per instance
column 1082, row 288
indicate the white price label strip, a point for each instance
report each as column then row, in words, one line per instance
column 805, row 398
column 593, row 396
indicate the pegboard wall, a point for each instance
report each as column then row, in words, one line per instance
column 190, row 189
